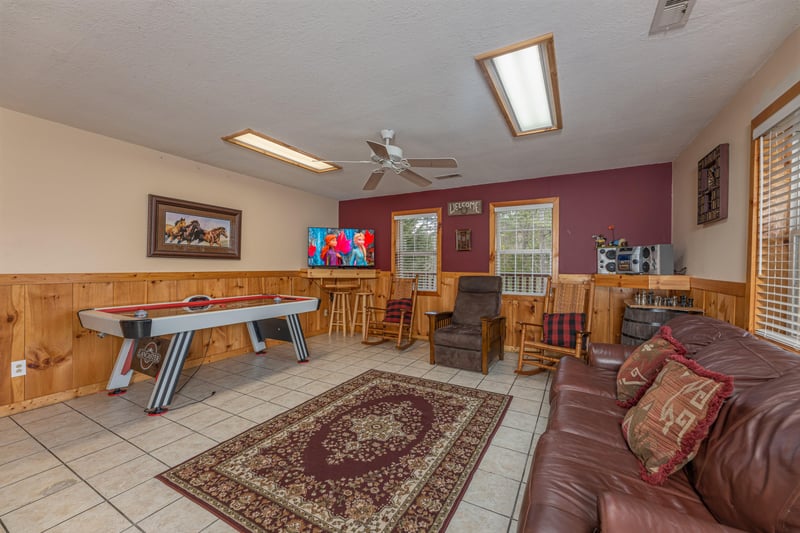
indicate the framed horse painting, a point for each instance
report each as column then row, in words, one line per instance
column 179, row 228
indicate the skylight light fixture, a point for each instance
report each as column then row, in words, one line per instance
column 523, row 80
column 274, row 148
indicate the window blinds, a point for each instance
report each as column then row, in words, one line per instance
column 416, row 248
column 524, row 247
column 777, row 300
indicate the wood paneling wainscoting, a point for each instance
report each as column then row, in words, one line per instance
column 40, row 321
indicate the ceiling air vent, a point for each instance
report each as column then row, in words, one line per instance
column 671, row 14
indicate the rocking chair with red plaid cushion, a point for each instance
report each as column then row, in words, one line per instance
column 395, row 321
column 564, row 330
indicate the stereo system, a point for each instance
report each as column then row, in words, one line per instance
column 654, row 259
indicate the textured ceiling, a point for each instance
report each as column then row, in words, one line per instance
column 326, row 75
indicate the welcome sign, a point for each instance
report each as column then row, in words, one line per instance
column 466, row 207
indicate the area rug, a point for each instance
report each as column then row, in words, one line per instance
column 380, row 452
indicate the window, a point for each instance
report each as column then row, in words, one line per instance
column 416, row 239
column 775, row 274
column 524, row 238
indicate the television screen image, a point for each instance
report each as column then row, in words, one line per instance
column 341, row 247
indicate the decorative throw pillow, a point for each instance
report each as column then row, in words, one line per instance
column 560, row 328
column 394, row 309
column 665, row 429
column 641, row 367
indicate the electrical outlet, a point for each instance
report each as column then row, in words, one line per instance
column 18, row 368
column 324, row 312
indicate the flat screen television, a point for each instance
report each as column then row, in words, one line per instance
column 341, row 247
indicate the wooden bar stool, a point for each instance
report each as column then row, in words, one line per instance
column 363, row 301
column 340, row 311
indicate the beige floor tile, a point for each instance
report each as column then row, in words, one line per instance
column 18, row 449
column 10, row 431
column 263, row 412
column 227, row 429
column 60, row 506
column 523, row 421
column 27, row 466
column 27, row 417
column 179, row 451
column 161, row 436
column 48, row 424
column 101, row 517
column 85, row 446
column 36, row 487
column 492, row 491
column 119, row 479
column 233, row 402
column 504, row 462
column 105, row 459
column 513, row 439
column 536, row 395
column 219, row 527
column 80, row 429
column 524, row 406
column 470, row 518
column 207, row 416
column 182, row 515
column 494, row 386
column 128, row 429
column 144, row 499
column 292, row 399
column 268, row 392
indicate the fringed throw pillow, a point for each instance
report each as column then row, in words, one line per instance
column 641, row 367
column 665, row 429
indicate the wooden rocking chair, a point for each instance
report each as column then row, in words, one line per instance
column 564, row 330
column 396, row 320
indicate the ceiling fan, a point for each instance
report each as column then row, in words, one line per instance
column 390, row 157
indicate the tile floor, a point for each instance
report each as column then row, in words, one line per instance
column 88, row 464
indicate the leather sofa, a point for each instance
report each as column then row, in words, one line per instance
column 745, row 476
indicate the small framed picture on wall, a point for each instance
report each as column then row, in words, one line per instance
column 463, row 240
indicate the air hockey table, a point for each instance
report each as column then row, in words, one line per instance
column 141, row 325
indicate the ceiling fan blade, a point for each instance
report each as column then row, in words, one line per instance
column 434, row 162
column 374, row 179
column 447, row 176
column 415, row 178
column 379, row 149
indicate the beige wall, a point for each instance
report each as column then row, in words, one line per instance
column 73, row 201
column 719, row 250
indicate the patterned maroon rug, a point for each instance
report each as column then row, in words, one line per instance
column 380, row 452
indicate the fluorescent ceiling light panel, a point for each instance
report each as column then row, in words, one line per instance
column 274, row 148
column 524, row 83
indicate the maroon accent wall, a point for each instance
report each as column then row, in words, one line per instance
column 636, row 200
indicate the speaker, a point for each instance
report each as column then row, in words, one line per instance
column 657, row 259
column 607, row 260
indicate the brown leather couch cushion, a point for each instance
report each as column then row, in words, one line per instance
column 696, row 334
column 749, row 471
column 628, row 514
column 569, row 473
column 574, row 374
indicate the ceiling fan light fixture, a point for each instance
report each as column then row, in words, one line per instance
column 265, row 145
column 524, row 83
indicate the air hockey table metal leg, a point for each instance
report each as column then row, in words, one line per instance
column 298, row 339
column 169, row 374
column 122, row 373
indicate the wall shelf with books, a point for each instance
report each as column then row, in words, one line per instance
column 712, row 185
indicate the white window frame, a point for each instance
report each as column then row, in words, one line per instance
column 427, row 279
column 774, row 273
column 536, row 284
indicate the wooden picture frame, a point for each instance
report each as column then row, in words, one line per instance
column 463, row 240
column 179, row 228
